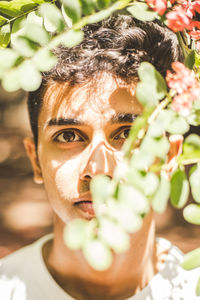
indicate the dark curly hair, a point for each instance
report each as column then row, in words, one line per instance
column 116, row 45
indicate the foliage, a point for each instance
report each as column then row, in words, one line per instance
column 30, row 29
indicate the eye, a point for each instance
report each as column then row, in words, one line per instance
column 123, row 134
column 68, row 136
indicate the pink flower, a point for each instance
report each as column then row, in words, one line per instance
column 187, row 87
column 196, row 6
column 188, row 7
column 177, row 19
column 195, row 35
column 182, row 79
column 182, row 103
column 159, row 6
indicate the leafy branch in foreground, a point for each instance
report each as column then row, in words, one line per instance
column 147, row 176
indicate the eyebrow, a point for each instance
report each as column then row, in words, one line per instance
column 116, row 119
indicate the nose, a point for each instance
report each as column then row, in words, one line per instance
column 102, row 160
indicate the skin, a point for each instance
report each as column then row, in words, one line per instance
column 67, row 166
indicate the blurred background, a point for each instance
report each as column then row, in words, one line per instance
column 25, row 214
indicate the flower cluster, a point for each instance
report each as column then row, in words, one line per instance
column 187, row 87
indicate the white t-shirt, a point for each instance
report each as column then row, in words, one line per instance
column 24, row 276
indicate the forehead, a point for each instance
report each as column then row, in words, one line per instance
column 102, row 96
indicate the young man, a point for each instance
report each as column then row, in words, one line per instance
column 80, row 118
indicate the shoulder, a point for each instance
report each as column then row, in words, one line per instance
column 21, row 268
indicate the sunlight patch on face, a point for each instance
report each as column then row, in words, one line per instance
column 66, row 179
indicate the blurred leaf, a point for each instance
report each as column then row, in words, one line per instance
column 142, row 160
column 88, row 7
column 34, row 18
column 8, row 58
column 51, row 13
column 142, row 12
column 4, row 36
column 72, row 38
column 73, row 9
column 146, row 182
column 97, row 254
column 103, row 3
column 195, row 182
column 146, row 94
column 124, row 215
column 113, row 235
column 191, row 148
column 2, row 20
column 101, row 15
column 36, row 33
column 75, row 233
column 191, row 260
column 179, row 189
column 190, row 60
column 198, row 288
column 8, row 9
column 159, row 147
column 160, row 200
column 100, row 194
column 30, row 77
column 177, row 124
column 192, row 214
column 24, row 46
column 148, row 74
column 11, row 80
column 44, row 60
column 134, row 199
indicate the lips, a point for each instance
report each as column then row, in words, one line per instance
column 85, row 204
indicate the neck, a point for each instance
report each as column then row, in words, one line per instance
column 77, row 278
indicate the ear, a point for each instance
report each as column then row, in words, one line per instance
column 31, row 152
column 175, row 150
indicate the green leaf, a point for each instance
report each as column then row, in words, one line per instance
column 72, row 38
column 160, row 200
column 146, row 94
column 124, row 215
column 24, row 46
column 5, row 36
column 44, row 60
column 53, row 15
column 179, row 189
column 88, row 7
column 146, row 182
column 191, row 260
column 8, row 57
column 30, row 77
column 97, row 254
column 36, row 33
column 2, row 20
column 100, row 188
column 8, row 9
column 134, row 199
column 113, row 235
column 159, row 147
column 11, row 80
column 198, row 288
column 142, row 12
column 190, row 60
column 194, row 180
column 148, row 74
column 192, row 214
column 101, row 15
column 103, row 3
column 177, row 124
column 75, row 233
column 73, row 9
column 191, row 149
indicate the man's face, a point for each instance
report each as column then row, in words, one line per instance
column 81, row 133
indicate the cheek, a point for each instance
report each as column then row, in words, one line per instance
column 67, row 178
column 61, row 178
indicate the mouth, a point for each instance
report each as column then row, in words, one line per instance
column 85, row 205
